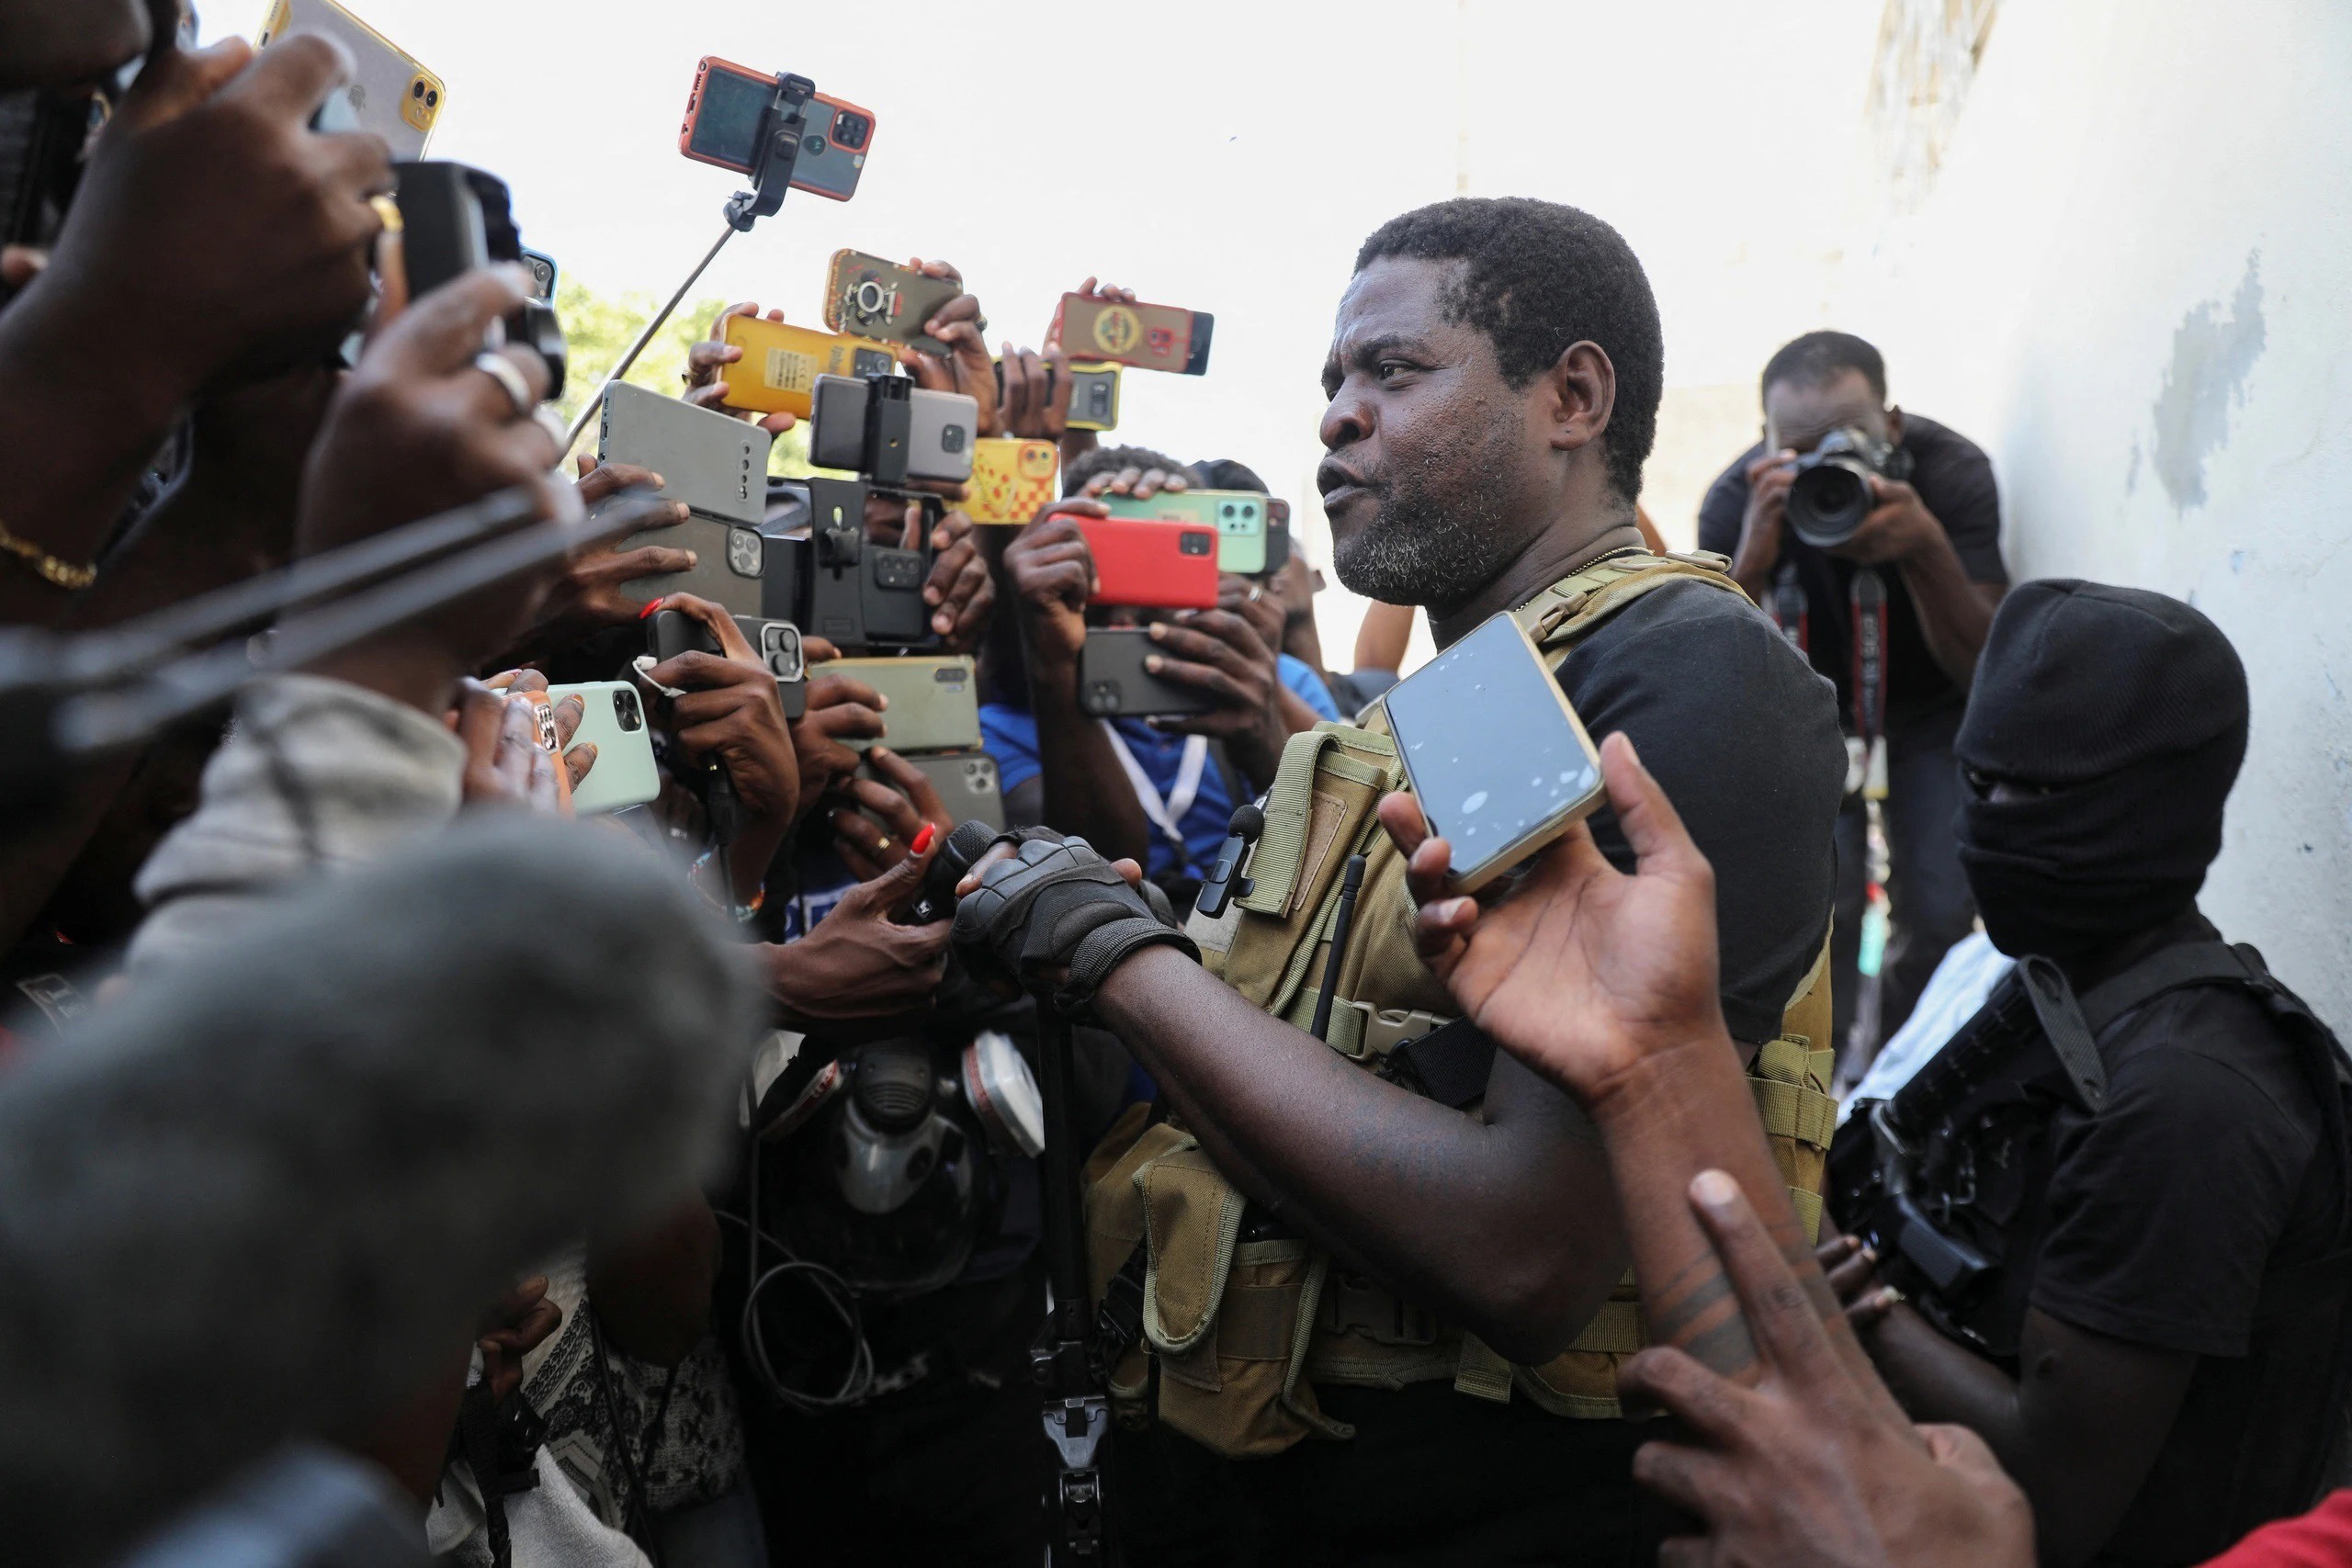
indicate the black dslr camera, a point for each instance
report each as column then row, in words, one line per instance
column 1831, row 494
column 454, row 218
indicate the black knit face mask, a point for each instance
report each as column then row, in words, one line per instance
column 2070, row 870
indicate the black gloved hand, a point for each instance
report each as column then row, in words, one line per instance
column 1058, row 907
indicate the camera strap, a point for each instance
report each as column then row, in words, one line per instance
column 1866, row 598
column 1166, row 813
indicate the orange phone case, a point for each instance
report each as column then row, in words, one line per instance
column 1011, row 479
column 1151, row 562
column 711, row 64
column 781, row 363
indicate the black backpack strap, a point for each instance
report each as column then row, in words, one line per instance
column 2172, row 969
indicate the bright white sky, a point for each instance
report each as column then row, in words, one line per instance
column 1221, row 156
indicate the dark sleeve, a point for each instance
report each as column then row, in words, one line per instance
column 1955, row 483
column 1743, row 737
column 2164, row 1206
column 1725, row 504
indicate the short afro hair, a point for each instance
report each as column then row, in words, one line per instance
column 1229, row 473
column 1536, row 277
column 1818, row 358
column 1110, row 459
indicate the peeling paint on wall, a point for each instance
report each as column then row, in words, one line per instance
column 2212, row 353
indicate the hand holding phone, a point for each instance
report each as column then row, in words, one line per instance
column 1124, row 332
column 868, row 296
column 1501, row 762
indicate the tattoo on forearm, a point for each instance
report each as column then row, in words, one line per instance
column 1696, row 1312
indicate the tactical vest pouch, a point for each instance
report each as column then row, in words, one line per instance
column 1243, row 1331
column 1226, row 1320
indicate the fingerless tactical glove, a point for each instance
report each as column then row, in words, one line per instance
column 1056, row 904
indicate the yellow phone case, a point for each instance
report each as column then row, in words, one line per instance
column 381, row 70
column 781, row 363
column 1011, row 479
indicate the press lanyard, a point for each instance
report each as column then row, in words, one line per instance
column 1166, row 813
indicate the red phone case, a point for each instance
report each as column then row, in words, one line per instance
column 1152, row 563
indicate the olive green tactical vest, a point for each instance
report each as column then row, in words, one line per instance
column 1243, row 1330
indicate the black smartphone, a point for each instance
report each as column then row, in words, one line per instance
column 672, row 632
column 1112, row 682
column 1495, row 800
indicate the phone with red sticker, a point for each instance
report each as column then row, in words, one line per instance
column 1149, row 337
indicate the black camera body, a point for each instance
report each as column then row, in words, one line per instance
column 454, row 218
column 836, row 583
column 1831, row 493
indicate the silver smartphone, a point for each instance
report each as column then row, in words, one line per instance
column 1501, row 762
column 933, row 701
column 719, row 467
column 625, row 772
column 391, row 93
column 966, row 783
column 941, row 428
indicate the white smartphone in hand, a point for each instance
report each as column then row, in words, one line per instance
column 1501, row 762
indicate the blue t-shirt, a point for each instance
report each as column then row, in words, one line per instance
column 1009, row 734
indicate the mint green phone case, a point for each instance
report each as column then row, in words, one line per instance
column 1237, row 515
column 626, row 773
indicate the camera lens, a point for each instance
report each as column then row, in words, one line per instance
column 431, row 98
column 1828, row 502
column 625, row 711
column 416, row 89
column 849, row 131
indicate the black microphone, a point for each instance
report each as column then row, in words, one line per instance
column 968, row 843
column 1243, row 828
column 268, row 1193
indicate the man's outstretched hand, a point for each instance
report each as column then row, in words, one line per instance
column 1578, row 970
column 1812, row 1464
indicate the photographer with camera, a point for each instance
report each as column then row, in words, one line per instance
column 2114, row 1235
column 1873, row 536
column 1158, row 791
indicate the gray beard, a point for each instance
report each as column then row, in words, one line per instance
column 1423, row 547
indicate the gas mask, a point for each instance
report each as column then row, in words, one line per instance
column 891, row 1181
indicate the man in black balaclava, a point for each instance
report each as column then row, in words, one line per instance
column 2166, row 1320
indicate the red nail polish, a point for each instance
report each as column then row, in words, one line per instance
column 922, row 840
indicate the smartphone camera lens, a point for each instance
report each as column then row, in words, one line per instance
column 850, row 130
column 416, row 89
column 431, row 98
column 625, row 711
column 1226, row 510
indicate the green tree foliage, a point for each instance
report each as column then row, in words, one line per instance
column 598, row 328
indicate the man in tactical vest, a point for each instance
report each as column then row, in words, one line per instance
column 2119, row 1201
column 1384, row 1267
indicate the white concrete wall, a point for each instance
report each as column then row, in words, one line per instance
column 2132, row 281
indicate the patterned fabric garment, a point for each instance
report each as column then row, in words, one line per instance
column 699, row 1452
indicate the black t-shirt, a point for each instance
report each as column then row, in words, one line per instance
column 2180, row 1217
column 1954, row 480
column 1744, row 739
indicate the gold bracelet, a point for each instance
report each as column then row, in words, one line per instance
column 55, row 573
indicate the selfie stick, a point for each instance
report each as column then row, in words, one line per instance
column 1065, row 1358
column 781, row 124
